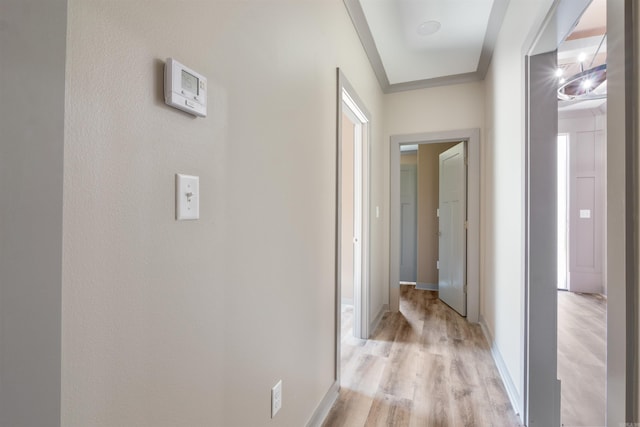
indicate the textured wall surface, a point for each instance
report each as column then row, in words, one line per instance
column 191, row 323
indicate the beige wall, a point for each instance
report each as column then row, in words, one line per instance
column 191, row 323
column 428, row 181
column 348, row 129
column 502, row 206
column 429, row 110
column 442, row 108
column 409, row 158
column 435, row 109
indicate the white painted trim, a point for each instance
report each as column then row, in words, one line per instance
column 507, row 381
column 320, row 414
column 472, row 137
column 353, row 106
column 378, row 318
column 427, row 286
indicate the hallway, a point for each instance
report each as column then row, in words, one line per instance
column 423, row 366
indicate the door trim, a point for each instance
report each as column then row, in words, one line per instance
column 542, row 387
column 472, row 138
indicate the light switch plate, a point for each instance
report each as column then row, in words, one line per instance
column 276, row 398
column 187, row 197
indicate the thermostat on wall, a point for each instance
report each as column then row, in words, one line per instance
column 185, row 89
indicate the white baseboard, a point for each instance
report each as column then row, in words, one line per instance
column 427, row 286
column 509, row 385
column 378, row 318
column 321, row 412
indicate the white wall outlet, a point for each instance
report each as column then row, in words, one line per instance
column 187, row 197
column 276, row 398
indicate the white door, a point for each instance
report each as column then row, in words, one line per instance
column 408, row 225
column 586, row 211
column 452, row 234
column 354, row 193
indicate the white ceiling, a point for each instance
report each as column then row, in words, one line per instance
column 461, row 49
column 403, row 59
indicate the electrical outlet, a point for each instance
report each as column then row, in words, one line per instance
column 276, row 398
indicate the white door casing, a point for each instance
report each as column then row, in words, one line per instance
column 452, row 234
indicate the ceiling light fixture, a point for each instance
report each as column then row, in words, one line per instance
column 428, row 27
column 582, row 57
column 589, row 84
column 559, row 72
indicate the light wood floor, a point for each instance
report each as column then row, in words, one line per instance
column 582, row 358
column 424, row 366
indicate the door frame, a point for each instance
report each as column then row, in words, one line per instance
column 472, row 138
column 347, row 98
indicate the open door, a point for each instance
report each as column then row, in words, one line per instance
column 353, row 211
column 452, row 241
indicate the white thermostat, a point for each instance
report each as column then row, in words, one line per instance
column 185, row 89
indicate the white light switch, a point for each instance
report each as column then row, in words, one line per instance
column 187, row 197
column 585, row 213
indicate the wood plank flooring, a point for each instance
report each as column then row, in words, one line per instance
column 424, row 366
column 582, row 358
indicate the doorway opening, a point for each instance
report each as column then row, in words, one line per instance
column 432, row 220
column 581, row 222
column 617, row 204
column 471, row 256
column 352, row 233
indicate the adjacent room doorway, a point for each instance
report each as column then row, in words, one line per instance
column 582, row 207
column 352, row 218
column 466, row 271
column 542, row 390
